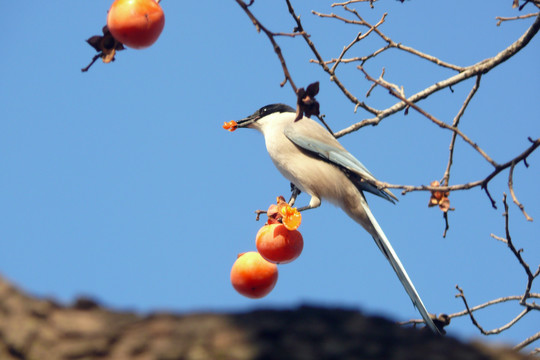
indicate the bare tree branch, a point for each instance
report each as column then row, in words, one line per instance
column 492, row 302
column 355, row 1
column 438, row 122
column 390, row 42
column 276, row 47
column 494, row 331
column 478, row 307
column 517, row 253
column 520, row 17
column 358, row 38
column 333, row 76
column 481, row 67
column 528, row 341
column 527, row 307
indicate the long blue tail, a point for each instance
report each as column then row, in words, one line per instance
column 386, row 248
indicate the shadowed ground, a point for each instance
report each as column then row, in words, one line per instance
column 44, row 330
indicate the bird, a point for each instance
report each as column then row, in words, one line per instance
column 315, row 163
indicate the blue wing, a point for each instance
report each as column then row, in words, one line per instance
column 332, row 151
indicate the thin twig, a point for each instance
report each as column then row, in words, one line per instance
column 513, row 194
column 522, row 157
column 455, row 123
column 295, row 34
column 361, row 59
column 475, row 322
column 501, row 19
column 358, row 38
column 321, row 119
column 473, row 319
column 517, row 254
column 387, row 84
column 503, row 240
column 354, row 1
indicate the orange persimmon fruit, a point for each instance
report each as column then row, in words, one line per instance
column 231, row 125
column 136, row 23
column 279, row 245
column 253, row 276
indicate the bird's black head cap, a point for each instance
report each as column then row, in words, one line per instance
column 274, row 108
column 265, row 111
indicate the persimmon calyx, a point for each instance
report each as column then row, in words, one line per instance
column 291, row 217
column 106, row 46
column 282, row 212
column 439, row 198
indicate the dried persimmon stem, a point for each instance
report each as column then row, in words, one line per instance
column 258, row 213
column 446, row 226
column 94, row 59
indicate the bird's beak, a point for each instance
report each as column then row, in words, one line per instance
column 246, row 122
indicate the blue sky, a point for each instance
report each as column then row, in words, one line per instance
column 120, row 183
